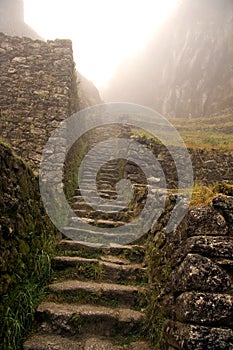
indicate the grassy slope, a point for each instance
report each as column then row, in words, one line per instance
column 214, row 132
column 207, row 132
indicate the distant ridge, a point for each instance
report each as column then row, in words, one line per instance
column 186, row 70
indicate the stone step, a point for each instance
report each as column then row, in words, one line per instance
column 63, row 262
column 94, row 236
column 79, row 198
column 91, row 191
column 108, row 223
column 135, row 253
column 97, row 198
column 100, row 215
column 105, row 270
column 107, row 176
column 133, row 273
column 115, row 259
column 96, row 222
column 89, row 166
column 57, row 342
column 81, row 205
column 109, row 207
column 104, row 293
column 105, row 182
column 87, row 319
column 109, row 195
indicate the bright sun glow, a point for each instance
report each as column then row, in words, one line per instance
column 103, row 32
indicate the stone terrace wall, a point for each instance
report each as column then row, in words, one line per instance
column 37, row 91
column 26, row 239
column 191, row 303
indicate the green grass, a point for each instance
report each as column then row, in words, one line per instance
column 83, row 297
column 88, row 271
column 20, row 302
column 72, row 163
column 214, row 132
column 208, row 140
column 31, row 274
column 203, row 195
column 214, row 123
column 206, row 132
column 126, row 341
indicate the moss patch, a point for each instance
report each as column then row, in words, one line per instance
column 26, row 242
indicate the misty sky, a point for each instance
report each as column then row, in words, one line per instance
column 103, row 32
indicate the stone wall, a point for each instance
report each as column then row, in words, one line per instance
column 38, row 90
column 26, row 240
column 22, row 216
column 191, row 300
column 209, row 166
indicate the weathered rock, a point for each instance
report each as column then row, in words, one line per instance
column 108, row 271
column 62, row 262
column 203, row 221
column 132, row 252
column 191, row 275
column 133, row 273
column 57, row 342
column 210, row 164
column 114, row 260
column 226, row 264
column 190, row 337
column 209, row 246
column 87, row 319
column 52, row 342
column 205, row 308
column 30, row 73
column 98, row 236
column 197, row 273
column 22, row 220
column 124, row 295
column 225, row 205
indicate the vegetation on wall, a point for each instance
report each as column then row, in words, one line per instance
column 159, row 270
column 26, row 243
column 72, row 163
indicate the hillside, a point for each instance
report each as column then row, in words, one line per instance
column 12, row 19
column 186, row 69
column 87, row 92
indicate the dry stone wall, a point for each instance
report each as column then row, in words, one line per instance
column 23, row 221
column 26, row 239
column 37, row 91
column 191, row 280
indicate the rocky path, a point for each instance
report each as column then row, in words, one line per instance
column 96, row 300
column 98, row 295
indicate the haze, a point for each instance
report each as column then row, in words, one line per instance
column 104, row 32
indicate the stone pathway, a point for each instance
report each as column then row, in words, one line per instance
column 95, row 302
column 98, row 295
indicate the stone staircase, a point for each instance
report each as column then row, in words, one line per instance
column 96, row 300
column 112, row 209
column 98, row 293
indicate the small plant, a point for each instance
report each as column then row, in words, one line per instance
column 76, row 321
column 203, row 195
column 26, row 289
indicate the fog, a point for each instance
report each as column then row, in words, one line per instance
column 185, row 68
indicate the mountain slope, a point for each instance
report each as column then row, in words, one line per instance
column 187, row 69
